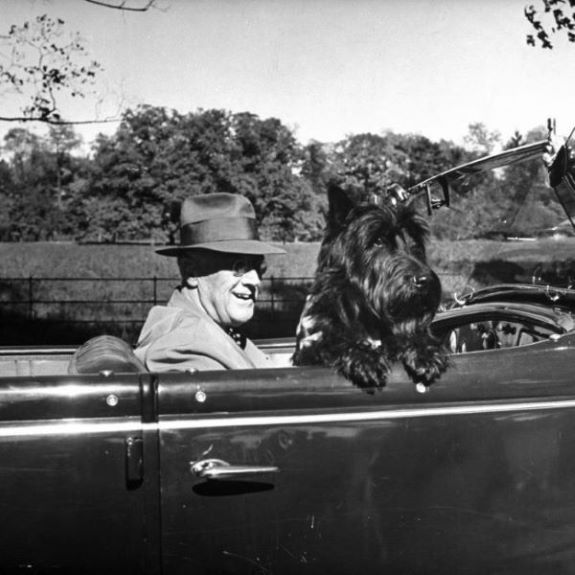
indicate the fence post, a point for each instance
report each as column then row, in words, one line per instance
column 155, row 290
column 272, row 290
column 30, row 298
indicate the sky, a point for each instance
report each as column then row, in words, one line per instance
column 325, row 68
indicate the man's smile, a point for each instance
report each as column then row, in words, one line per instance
column 250, row 296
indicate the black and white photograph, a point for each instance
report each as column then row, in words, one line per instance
column 287, row 287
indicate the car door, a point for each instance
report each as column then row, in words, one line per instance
column 296, row 471
column 79, row 490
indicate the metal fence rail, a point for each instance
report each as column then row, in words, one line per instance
column 69, row 310
column 54, row 310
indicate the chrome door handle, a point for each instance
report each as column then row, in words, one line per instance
column 219, row 469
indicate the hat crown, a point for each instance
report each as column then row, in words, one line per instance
column 215, row 206
column 221, row 222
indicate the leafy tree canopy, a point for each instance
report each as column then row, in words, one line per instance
column 132, row 185
column 158, row 157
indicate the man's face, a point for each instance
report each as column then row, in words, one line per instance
column 229, row 288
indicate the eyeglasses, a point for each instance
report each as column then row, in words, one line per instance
column 243, row 265
column 238, row 264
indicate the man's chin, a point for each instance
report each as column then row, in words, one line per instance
column 238, row 319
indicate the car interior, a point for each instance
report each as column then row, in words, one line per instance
column 485, row 335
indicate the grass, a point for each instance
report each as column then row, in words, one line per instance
column 69, row 260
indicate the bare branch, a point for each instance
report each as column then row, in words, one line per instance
column 54, row 122
column 45, row 64
column 122, row 5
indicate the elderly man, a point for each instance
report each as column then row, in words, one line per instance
column 221, row 262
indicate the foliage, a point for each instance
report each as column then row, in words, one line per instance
column 366, row 164
column 553, row 20
column 42, row 177
column 158, row 157
column 132, row 185
column 530, row 204
column 44, row 63
column 481, row 140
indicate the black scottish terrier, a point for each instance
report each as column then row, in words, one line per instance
column 373, row 296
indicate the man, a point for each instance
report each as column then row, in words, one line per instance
column 221, row 262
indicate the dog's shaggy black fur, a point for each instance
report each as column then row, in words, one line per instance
column 374, row 296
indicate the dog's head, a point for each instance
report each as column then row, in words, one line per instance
column 377, row 249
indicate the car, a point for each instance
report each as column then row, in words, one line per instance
column 546, row 295
column 291, row 470
column 499, row 324
column 108, row 468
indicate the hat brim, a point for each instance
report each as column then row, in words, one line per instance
column 252, row 247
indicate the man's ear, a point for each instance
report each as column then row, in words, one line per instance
column 192, row 283
column 339, row 206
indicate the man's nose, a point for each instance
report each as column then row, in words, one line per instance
column 251, row 278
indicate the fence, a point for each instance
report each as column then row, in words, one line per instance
column 60, row 310
column 70, row 310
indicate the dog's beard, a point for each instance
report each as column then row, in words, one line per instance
column 396, row 303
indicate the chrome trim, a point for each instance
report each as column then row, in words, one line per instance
column 304, row 419
column 72, row 428
column 226, row 421
column 220, row 469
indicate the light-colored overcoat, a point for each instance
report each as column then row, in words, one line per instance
column 181, row 336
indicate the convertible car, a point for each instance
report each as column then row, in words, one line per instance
column 107, row 468
column 294, row 470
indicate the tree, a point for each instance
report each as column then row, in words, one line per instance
column 531, row 205
column 267, row 163
column 43, row 178
column 514, row 200
column 554, row 20
column 368, row 164
column 424, row 158
column 45, row 63
column 158, row 157
column 125, row 5
column 62, row 140
column 481, row 140
column 124, row 197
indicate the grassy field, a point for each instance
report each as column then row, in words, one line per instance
column 112, row 261
column 68, row 260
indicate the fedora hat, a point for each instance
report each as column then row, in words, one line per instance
column 220, row 222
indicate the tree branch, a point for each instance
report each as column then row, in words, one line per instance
column 122, row 5
column 55, row 122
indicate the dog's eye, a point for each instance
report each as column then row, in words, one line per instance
column 380, row 241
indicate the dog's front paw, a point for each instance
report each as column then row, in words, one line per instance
column 428, row 370
column 364, row 368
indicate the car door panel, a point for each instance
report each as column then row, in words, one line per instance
column 79, row 490
column 474, row 476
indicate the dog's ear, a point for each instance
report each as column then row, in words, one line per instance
column 340, row 204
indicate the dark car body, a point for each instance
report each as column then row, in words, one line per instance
column 500, row 324
column 546, row 295
column 294, row 470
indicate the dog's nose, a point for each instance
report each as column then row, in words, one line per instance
column 420, row 281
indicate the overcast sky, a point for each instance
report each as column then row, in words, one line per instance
column 326, row 68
